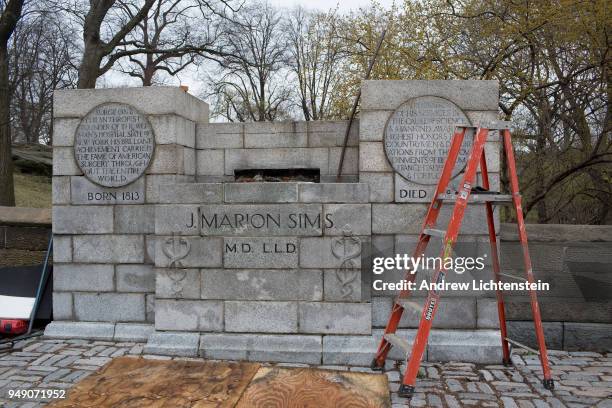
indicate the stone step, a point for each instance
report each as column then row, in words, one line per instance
column 472, row 346
column 475, row 346
column 183, row 344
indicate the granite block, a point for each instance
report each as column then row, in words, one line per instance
column 108, row 248
column 188, row 315
column 80, row 330
column 261, row 317
column 335, row 318
column 109, row 307
column 262, row 284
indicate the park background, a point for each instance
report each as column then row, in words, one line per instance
column 257, row 61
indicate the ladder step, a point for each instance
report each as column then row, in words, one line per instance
column 521, row 345
column 412, row 304
column 434, row 232
column 480, row 198
column 398, row 342
column 513, row 277
column 497, row 124
column 491, row 125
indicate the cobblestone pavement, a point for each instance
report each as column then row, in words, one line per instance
column 582, row 379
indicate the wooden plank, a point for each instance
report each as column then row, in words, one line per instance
column 274, row 387
column 136, row 382
column 33, row 157
column 25, row 216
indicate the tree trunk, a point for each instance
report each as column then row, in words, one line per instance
column 505, row 211
column 7, row 190
column 95, row 49
column 149, row 71
column 262, row 101
column 540, row 178
column 90, row 66
column 603, row 193
column 8, row 21
column 544, row 119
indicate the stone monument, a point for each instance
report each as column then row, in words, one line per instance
column 159, row 239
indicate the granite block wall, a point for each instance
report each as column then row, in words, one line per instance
column 247, row 262
column 577, row 262
column 477, row 99
column 223, row 148
column 193, row 262
column 399, row 206
column 103, row 270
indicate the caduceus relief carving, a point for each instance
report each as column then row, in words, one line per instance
column 176, row 248
column 346, row 248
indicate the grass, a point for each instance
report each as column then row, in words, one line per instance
column 32, row 191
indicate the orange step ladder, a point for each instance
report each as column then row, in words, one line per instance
column 464, row 196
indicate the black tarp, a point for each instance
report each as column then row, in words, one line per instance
column 23, row 281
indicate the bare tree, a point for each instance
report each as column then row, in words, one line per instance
column 42, row 58
column 250, row 84
column 11, row 12
column 108, row 27
column 96, row 49
column 173, row 35
column 316, row 53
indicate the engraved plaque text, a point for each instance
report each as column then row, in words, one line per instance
column 114, row 144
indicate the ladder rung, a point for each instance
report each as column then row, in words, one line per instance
column 409, row 304
column 521, row 345
column 434, row 232
column 497, row 124
column 398, row 342
column 491, row 125
column 513, row 277
column 480, row 198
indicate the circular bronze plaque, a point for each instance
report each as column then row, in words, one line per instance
column 114, row 144
column 418, row 135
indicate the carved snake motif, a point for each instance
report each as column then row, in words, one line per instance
column 346, row 248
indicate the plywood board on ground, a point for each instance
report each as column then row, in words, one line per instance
column 136, row 382
column 274, row 387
